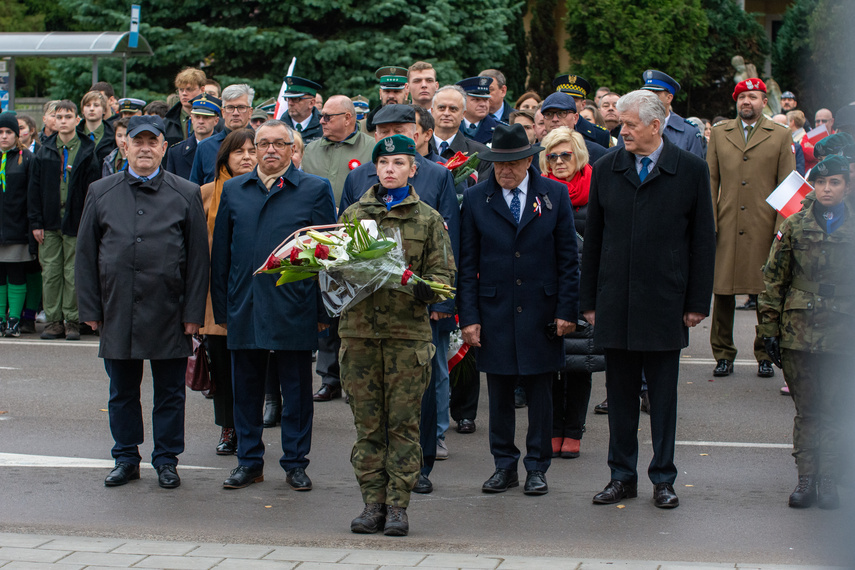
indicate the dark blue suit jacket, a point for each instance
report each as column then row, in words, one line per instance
column 515, row 279
column 591, row 132
column 484, row 134
column 250, row 223
column 179, row 159
column 205, row 161
column 435, row 186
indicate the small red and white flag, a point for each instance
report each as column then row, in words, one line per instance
column 281, row 100
column 787, row 197
column 817, row 134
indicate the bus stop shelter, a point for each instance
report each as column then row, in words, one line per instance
column 66, row 44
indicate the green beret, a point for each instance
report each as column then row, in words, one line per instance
column 834, row 164
column 396, row 144
column 834, row 144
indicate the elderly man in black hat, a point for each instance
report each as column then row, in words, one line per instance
column 142, row 278
column 302, row 115
column 518, row 294
column 578, row 87
column 205, row 116
column 559, row 110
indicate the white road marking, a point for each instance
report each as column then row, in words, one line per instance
column 8, row 368
column 707, row 361
column 735, row 444
column 77, row 343
column 22, row 460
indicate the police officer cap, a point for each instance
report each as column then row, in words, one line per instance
column 396, row 144
column 207, row 105
column 149, row 123
column 575, row 85
column 395, row 114
column 130, row 105
column 835, row 144
column 788, row 95
column 300, row 87
column 476, row 86
column 560, row 101
column 830, row 166
column 658, row 81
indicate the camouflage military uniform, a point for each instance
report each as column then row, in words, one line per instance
column 386, row 351
column 809, row 303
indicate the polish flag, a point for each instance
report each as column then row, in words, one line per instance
column 787, row 198
column 815, row 135
column 281, row 100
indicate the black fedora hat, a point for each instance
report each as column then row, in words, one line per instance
column 510, row 143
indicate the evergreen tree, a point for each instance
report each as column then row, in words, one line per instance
column 542, row 47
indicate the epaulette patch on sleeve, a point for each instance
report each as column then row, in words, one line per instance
column 779, row 235
column 602, row 128
column 720, row 123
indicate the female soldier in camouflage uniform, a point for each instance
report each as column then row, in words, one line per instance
column 807, row 320
column 386, row 344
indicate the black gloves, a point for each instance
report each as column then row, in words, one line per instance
column 773, row 349
column 423, row 292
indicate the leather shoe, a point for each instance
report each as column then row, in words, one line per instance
column 243, row 476
column 804, row 495
column 298, row 479
column 423, row 486
column 645, row 402
column 664, row 496
column 501, row 481
column 326, row 393
column 519, row 397
column 535, row 483
column 272, row 411
column 228, row 442
column 765, row 370
column 121, row 474
column 602, row 407
column 615, row 492
column 370, row 520
column 466, row 426
column 723, row 367
column 167, row 476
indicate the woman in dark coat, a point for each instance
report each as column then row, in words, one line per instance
column 14, row 227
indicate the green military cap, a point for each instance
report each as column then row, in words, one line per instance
column 396, row 144
column 392, row 77
column 834, row 164
column 299, row 87
column 835, row 144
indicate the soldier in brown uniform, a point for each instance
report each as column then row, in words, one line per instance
column 807, row 316
column 748, row 157
column 386, row 344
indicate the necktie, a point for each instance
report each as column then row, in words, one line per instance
column 748, row 130
column 3, row 172
column 92, row 137
column 64, row 162
column 443, row 146
column 299, row 127
column 515, row 204
column 143, row 178
column 471, row 129
column 645, row 168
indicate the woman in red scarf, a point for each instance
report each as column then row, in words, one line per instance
column 565, row 160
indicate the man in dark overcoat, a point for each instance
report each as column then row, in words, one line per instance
column 142, row 279
column 257, row 211
column 647, row 271
column 517, row 295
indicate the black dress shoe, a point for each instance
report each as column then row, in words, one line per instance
column 167, row 476
column 615, row 492
column 243, row 476
column 370, row 520
column 519, row 397
column 397, row 523
column 501, row 481
column 121, row 474
column 723, row 367
column 466, row 426
column 535, row 483
column 423, row 486
column 228, row 442
column 602, row 407
column 765, row 370
column 645, row 402
column 664, row 496
column 326, row 393
column 804, row 495
column 272, row 411
column 298, row 479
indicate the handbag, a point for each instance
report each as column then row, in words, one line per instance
column 198, row 375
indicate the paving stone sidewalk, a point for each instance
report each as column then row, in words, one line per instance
column 51, row 552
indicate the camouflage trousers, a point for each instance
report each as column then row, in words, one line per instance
column 821, row 385
column 386, row 380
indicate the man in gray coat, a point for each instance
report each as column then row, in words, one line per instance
column 142, row 274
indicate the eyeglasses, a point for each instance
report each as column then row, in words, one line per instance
column 559, row 113
column 562, row 156
column 278, row 145
column 238, row 108
column 328, row 116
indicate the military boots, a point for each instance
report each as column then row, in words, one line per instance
column 804, row 495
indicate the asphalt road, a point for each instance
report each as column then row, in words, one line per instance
column 736, row 473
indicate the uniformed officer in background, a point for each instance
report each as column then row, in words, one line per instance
column 301, row 115
column 386, row 344
column 205, row 115
column 807, row 324
column 579, row 88
column 129, row 107
column 394, row 90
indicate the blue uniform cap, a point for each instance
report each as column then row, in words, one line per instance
column 207, row 105
column 476, row 86
column 658, row 81
column 131, row 105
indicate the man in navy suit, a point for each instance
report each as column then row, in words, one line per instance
column 205, row 116
column 478, row 124
column 517, row 295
